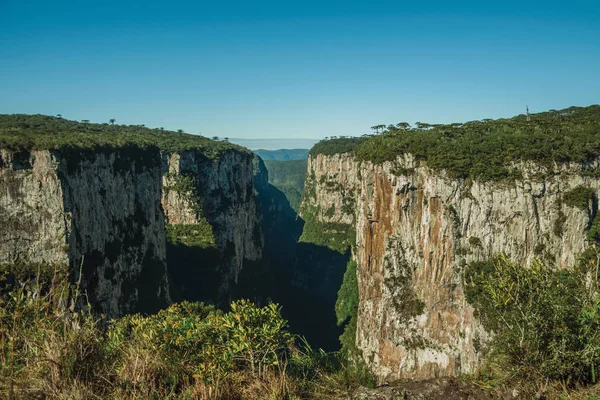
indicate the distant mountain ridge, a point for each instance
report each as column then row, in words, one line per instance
column 274, row 144
column 282, row 154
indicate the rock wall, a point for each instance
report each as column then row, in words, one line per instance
column 97, row 211
column 417, row 230
column 103, row 212
column 221, row 193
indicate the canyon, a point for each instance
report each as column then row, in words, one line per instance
column 378, row 249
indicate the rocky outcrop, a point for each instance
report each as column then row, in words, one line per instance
column 104, row 213
column 444, row 388
column 219, row 192
column 416, row 230
column 97, row 211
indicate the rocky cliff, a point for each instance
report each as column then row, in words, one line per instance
column 211, row 210
column 417, row 229
column 105, row 213
column 97, row 211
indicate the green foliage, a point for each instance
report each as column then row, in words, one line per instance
column 346, row 310
column 336, row 236
column 579, row 197
column 335, row 146
column 559, row 223
column 282, row 154
column 546, row 322
column 348, row 204
column 188, row 350
column 288, row 177
column 191, row 235
column 593, row 233
column 185, row 185
column 258, row 335
column 484, row 149
column 346, row 305
column 39, row 132
column 474, row 241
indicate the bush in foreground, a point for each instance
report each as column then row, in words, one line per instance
column 546, row 322
column 187, row 351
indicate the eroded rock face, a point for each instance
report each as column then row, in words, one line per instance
column 103, row 212
column 223, row 194
column 97, row 211
column 331, row 189
column 416, row 231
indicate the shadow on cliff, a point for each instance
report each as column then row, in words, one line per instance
column 306, row 276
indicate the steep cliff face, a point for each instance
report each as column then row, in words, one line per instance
column 416, row 230
column 98, row 212
column 105, row 213
column 212, row 198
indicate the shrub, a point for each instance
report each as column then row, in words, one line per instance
column 546, row 321
column 579, row 197
column 189, row 350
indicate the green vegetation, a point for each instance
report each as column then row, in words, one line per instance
column 346, row 306
column 546, row 322
column 288, row 177
column 185, row 185
column 336, row 146
column 559, row 223
column 282, row 154
column 39, row 132
column 474, row 241
column 336, row 236
column 191, row 235
column 483, row 149
column 346, row 311
column 189, row 350
column 579, row 197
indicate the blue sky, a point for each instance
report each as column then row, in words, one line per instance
column 295, row 69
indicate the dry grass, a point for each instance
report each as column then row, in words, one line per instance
column 50, row 352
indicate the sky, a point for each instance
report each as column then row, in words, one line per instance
column 295, row 69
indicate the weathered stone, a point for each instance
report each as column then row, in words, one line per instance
column 447, row 389
column 226, row 199
column 417, row 229
column 99, row 212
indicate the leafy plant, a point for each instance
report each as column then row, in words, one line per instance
column 580, row 197
column 546, row 322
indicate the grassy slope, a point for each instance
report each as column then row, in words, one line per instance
column 484, row 149
column 39, row 132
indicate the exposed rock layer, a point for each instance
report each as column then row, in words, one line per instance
column 417, row 229
column 224, row 195
column 100, row 212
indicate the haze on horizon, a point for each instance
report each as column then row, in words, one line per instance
column 307, row 70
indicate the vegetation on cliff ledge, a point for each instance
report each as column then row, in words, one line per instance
column 483, row 149
column 39, row 132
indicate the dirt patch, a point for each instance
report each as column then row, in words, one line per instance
column 446, row 389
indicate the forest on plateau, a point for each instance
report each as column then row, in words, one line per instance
column 486, row 149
